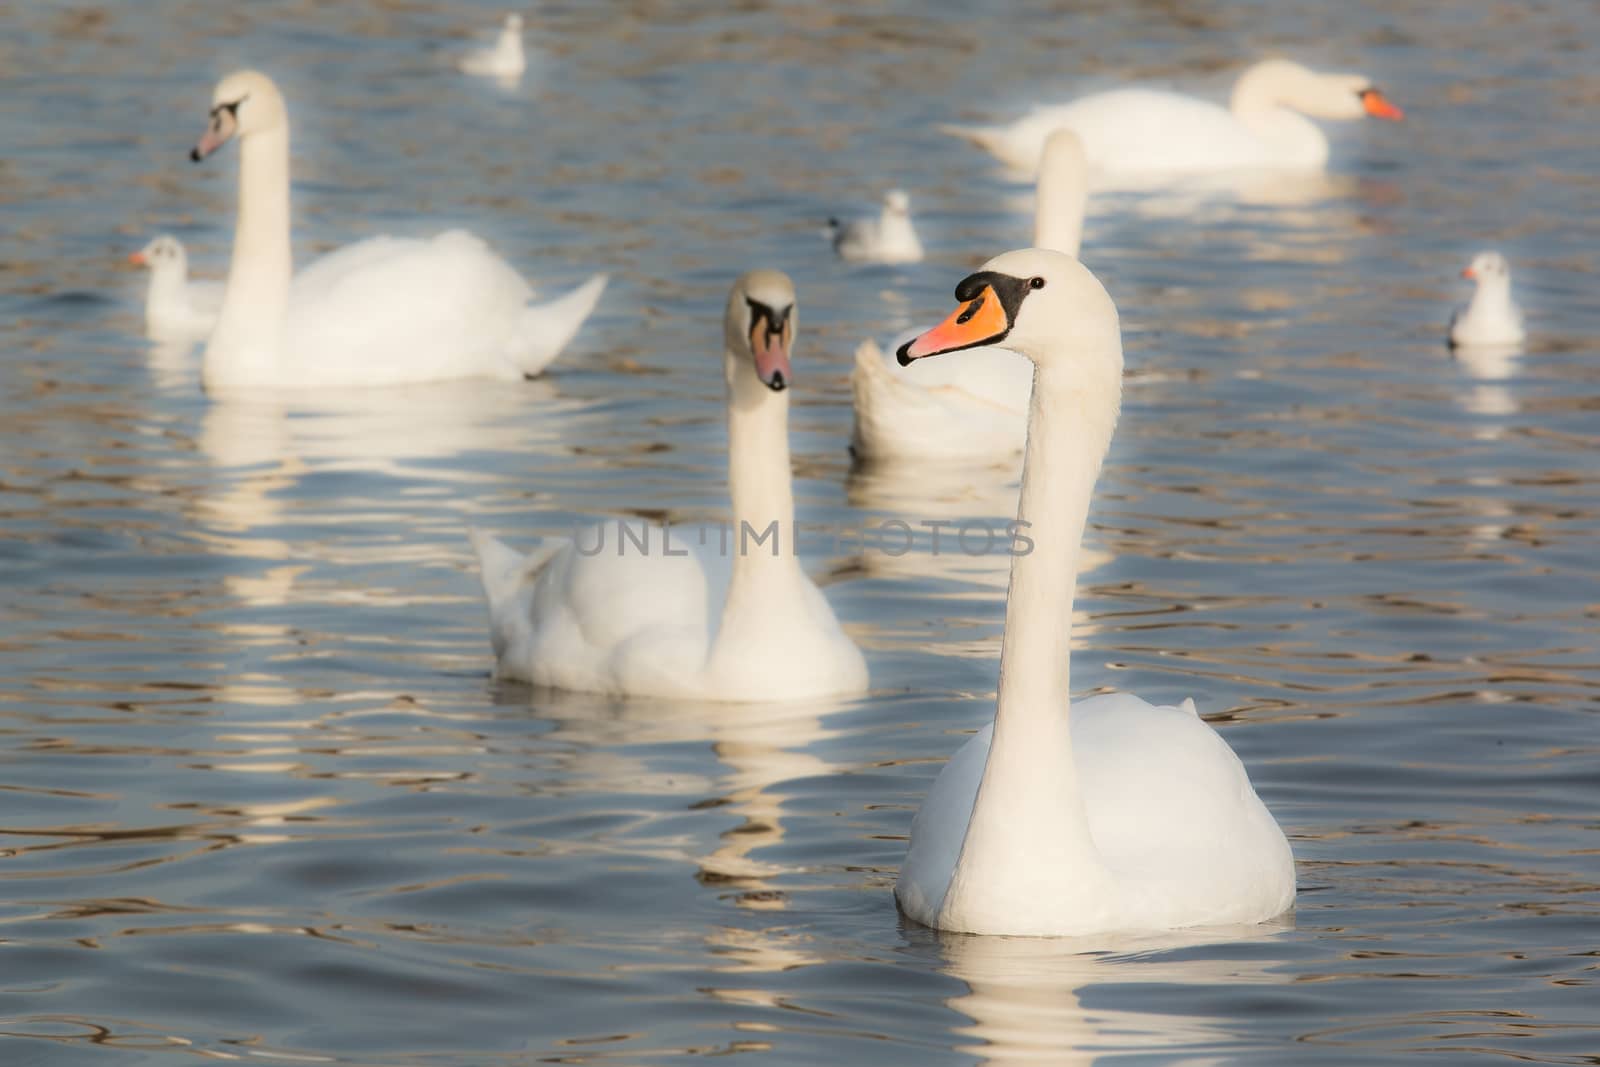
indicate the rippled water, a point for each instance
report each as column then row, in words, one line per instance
column 262, row 799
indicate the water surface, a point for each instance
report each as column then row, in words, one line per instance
column 264, row 801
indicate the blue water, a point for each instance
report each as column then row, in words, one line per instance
column 263, row 800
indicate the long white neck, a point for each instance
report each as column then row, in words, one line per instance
column 1262, row 101
column 1062, row 196
column 1028, row 838
column 247, row 342
column 764, row 576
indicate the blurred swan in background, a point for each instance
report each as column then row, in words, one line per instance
column 383, row 311
column 1137, row 132
column 977, row 405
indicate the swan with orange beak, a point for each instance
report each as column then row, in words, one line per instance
column 1068, row 817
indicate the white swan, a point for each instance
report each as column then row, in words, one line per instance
column 504, row 59
column 175, row 307
column 383, row 311
column 620, row 619
column 1140, row 132
column 975, row 406
column 1491, row 317
column 889, row 238
column 1109, row 814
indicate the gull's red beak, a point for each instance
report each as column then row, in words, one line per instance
column 1380, row 106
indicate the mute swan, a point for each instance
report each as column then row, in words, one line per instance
column 889, row 238
column 502, row 60
column 174, row 306
column 600, row 614
column 384, row 311
column 1110, row 814
column 1136, row 132
column 1491, row 317
column 975, row 406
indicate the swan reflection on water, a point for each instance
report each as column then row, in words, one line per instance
column 1030, row 1000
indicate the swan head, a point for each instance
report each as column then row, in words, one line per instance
column 1487, row 268
column 246, row 102
column 896, row 202
column 1322, row 96
column 1042, row 304
column 164, row 252
column 759, row 330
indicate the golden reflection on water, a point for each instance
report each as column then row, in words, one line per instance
column 1026, row 996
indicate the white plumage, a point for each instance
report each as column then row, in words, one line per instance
column 1135, row 133
column 1491, row 317
column 889, row 238
column 973, row 406
column 504, row 59
column 1096, row 816
column 605, row 614
column 175, row 307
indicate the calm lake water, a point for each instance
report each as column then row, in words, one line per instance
column 263, row 800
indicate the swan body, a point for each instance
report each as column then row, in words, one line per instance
column 1143, row 132
column 504, row 59
column 1491, row 317
column 889, row 238
column 602, row 614
column 175, row 308
column 977, row 409
column 383, row 311
column 1108, row 814
column 976, row 406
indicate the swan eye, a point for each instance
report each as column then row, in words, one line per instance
column 1036, row 283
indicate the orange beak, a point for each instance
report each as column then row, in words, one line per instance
column 1380, row 107
column 977, row 322
column 136, row 258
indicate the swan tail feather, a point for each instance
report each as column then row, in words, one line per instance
column 503, row 570
column 547, row 328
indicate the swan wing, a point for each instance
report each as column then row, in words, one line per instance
column 963, row 406
column 1170, row 807
column 389, row 309
column 1134, row 131
column 595, row 614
